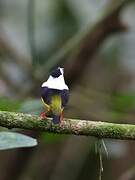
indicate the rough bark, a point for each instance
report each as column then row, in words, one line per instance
column 68, row 126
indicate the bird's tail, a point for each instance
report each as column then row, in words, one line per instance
column 56, row 119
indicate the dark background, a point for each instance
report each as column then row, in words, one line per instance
column 95, row 42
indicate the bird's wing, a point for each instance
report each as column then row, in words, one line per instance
column 65, row 97
column 46, row 96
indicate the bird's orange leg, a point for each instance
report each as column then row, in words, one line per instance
column 43, row 115
column 61, row 117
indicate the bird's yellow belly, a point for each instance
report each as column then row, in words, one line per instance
column 56, row 105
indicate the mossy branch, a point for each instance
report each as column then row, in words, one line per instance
column 68, row 126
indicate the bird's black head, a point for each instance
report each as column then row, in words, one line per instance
column 56, row 73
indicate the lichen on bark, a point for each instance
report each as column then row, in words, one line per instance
column 68, row 126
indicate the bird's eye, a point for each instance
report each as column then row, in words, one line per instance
column 56, row 73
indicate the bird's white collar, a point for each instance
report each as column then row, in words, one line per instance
column 56, row 83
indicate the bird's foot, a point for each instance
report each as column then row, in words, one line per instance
column 43, row 115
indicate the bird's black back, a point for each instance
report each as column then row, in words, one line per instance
column 47, row 94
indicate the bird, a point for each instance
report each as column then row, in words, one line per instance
column 55, row 95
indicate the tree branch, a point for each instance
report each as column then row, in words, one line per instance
column 68, row 126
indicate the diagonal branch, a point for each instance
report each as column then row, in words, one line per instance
column 68, row 126
column 80, row 49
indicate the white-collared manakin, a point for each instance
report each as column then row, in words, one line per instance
column 55, row 95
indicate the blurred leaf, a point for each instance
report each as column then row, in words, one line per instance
column 9, row 140
column 9, row 105
column 34, row 106
column 123, row 102
column 53, row 138
column 63, row 20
